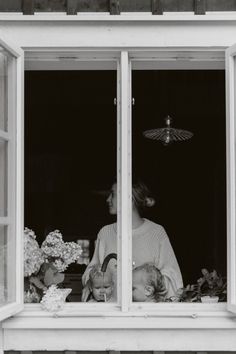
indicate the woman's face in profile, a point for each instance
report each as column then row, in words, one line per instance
column 112, row 200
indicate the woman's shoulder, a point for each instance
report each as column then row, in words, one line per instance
column 107, row 230
column 155, row 228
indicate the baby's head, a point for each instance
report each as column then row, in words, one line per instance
column 101, row 284
column 148, row 284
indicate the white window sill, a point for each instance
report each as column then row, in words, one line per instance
column 161, row 316
column 191, row 327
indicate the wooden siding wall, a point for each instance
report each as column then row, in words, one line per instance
column 71, row 7
column 112, row 352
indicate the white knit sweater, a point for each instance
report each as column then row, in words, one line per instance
column 150, row 243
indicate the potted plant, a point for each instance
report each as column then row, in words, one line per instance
column 210, row 288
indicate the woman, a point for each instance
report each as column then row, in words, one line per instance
column 150, row 242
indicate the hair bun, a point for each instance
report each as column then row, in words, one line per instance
column 149, row 202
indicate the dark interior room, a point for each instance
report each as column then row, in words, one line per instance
column 70, row 157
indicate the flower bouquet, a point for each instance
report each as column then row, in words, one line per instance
column 44, row 266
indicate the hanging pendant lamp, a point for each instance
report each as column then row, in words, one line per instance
column 167, row 135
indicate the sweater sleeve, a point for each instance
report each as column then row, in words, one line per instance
column 167, row 264
column 98, row 256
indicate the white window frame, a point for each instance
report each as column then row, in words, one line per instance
column 14, row 139
column 124, row 306
column 231, row 188
column 147, row 58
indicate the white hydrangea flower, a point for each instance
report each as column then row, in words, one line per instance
column 61, row 254
column 54, row 298
column 33, row 258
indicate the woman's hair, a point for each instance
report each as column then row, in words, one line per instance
column 142, row 197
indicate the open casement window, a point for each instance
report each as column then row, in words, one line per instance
column 231, row 115
column 180, row 174
column 161, row 72
column 11, row 173
column 79, row 169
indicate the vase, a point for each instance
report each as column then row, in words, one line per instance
column 209, row 299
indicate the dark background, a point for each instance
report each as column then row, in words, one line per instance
column 70, row 157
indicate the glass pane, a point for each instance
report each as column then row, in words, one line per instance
column 179, row 211
column 3, row 90
column 70, row 175
column 7, row 272
column 3, row 178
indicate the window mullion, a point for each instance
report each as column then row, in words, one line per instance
column 124, row 183
column 231, row 254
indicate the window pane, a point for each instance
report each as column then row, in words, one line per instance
column 3, row 91
column 70, row 171
column 3, row 178
column 182, row 228
column 7, row 274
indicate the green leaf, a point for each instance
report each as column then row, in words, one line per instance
column 52, row 277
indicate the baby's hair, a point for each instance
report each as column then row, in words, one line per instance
column 96, row 272
column 154, row 279
column 142, row 197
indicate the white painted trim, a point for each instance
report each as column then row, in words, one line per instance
column 9, row 310
column 140, row 310
column 19, row 168
column 230, row 125
column 12, row 49
column 118, row 174
column 123, row 17
column 4, row 135
column 14, row 219
column 120, row 339
column 163, row 320
column 143, row 59
column 125, row 183
column 4, row 220
column 11, row 179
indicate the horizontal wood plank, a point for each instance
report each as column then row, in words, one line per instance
column 94, row 6
column 11, row 6
column 50, row 5
column 220, row 5
column 157, row 8
column 114, row 7
column 28, row 7
column 154, row 6
column 71, row 7
column 178, row 5
column 135, row 5
column 200, row 7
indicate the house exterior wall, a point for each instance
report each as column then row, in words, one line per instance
column 190, row 330
column 127, row 31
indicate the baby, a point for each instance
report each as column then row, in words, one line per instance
column 148, row 284
column 100, row 285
